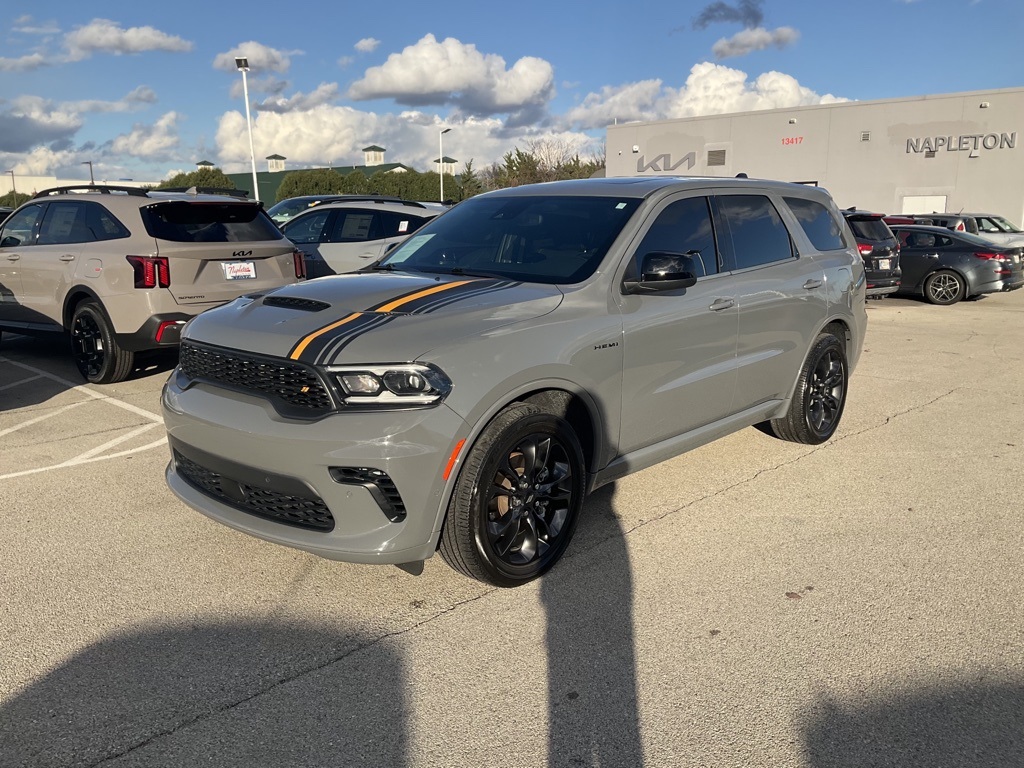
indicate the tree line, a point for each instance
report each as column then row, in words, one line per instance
column 542, row 160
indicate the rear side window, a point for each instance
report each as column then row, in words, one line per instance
column 308, row 228
column 181, row 221
column 758, row 233
column 355, row 226
column 871, row 229
column 73, row 221
column 818, row 223
column 398, row 224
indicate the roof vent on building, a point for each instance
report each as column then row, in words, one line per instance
column 716, row 157
column 929, row 153
column 865, row 135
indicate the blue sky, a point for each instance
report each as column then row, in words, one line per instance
column 145, row 89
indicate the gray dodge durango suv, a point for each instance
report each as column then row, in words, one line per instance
column 466, row 392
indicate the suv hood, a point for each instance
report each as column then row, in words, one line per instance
column 363, row 318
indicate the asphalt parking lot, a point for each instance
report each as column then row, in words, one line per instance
column 752, row 603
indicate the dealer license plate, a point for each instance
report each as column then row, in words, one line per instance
column 239, row 270
column 883, row 263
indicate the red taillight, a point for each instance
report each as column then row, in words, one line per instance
column 865, row 249
column 151, row 271
column 300, row 263
column 990, row 256
column 960, row 227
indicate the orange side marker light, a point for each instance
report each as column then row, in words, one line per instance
column 452, row 458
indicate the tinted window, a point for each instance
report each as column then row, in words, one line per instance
column 537, row 238
column 818, row 224
column 683, row 227
column 65, row 222
column 103, row 224
column 758, row 234
column 307, row 229
column 354, row 226
column 187, row 222
column 871, row 229
column 399, row 224
column 19, row 229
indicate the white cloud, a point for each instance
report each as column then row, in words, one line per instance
column 710, row 89
column 270, row 85
column 152, row 142
column 105, row 36
column 335, row 135
column 30, row 121
column 345, row 61
column 135, row 100
column 301, row 102
column 367, row 45
column 754, row 39
column 24, row 25
column 261, row 58
column 23, row 63
column 450, row 72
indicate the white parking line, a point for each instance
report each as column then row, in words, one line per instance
column 93, row 454
column 37, row 419
column 18, row 383
column 85, row 390
column 76, row 462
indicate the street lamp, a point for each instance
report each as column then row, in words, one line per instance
column 440, row 159
column 243, row 66
column 14, row 192
column 92, row 181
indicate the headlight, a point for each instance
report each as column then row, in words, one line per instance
column 402, row 385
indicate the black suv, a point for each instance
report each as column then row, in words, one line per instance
column 879, row 249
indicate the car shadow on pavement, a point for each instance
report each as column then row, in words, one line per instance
column 216, row 693
column 961, row 725
column 290, row 693
column 592, row 688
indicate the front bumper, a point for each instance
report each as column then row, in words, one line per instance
column 320, row 461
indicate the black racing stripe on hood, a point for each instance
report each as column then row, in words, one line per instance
column 333, row 345
column 445, row 299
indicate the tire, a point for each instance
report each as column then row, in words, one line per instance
column 95, row 350
column 820, row 395
column 944, row 287
column 498, row 536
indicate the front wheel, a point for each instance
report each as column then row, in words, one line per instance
column 944, row 287
column 517, row 499
column 94, row 347
column 820, row 395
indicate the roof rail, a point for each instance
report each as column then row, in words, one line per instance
column 104, row 189
column 368, row 199
column 206, row 191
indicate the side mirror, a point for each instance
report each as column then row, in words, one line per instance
column 663, row 271
column 10, row 242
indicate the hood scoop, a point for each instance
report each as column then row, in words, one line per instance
column 294, row 302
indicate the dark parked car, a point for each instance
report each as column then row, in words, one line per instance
column 5, row 212
column 946, row 266
column 878, row 248
column 293, row 206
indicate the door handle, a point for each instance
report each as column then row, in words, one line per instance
column 810, row 285
column 67, row 257
column 719, row 304
column 931, row 255
column 13, row 257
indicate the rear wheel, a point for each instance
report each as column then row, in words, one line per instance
column 517, row 499
column 820, row 395
column 944, row 287
column 99, row 358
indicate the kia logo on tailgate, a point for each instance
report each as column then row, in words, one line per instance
column 241, row 254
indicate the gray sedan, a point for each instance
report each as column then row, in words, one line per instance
column 946, row 266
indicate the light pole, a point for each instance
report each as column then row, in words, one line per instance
column 440, row 158
column 92, row 181
column 14, row 192
column 243, row 66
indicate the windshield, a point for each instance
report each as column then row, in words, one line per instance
column 871, row 229
column 996, row 224
column 288, row 208
column 540, row 239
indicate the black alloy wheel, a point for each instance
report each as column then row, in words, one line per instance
column 820, row 396
column 517, row 499
column 94, row 348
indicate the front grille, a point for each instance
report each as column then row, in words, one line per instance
column 308, row 512
column 292, row 385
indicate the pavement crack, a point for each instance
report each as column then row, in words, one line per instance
column 266, row 689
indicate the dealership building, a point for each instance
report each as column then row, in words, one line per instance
column 952, row 152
